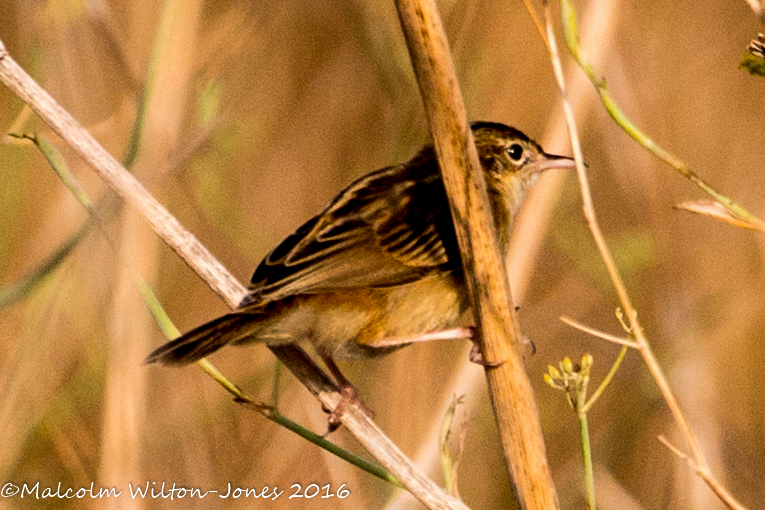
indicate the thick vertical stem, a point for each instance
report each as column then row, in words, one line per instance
column 498, row 333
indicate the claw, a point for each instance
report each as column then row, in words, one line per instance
column 350, row 395
column 476, row 357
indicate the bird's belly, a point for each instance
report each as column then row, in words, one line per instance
column 345, row 324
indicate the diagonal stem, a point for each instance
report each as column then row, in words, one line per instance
column 216, row 277
column 632, row 317
column 592, row 221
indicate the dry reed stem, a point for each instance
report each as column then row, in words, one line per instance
column 498, row 333
column 636, row 329
column 216, row 277
column 532, row 224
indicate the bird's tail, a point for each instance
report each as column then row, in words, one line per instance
column 206, row 339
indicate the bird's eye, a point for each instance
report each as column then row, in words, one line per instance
column 515, row 151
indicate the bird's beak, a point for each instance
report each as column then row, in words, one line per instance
column 552, row 161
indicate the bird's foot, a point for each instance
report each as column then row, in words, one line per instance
column 476, row 356
column 350, row 396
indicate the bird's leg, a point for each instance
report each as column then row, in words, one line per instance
column 447, row 334
column 348, row 391
column 467, row 333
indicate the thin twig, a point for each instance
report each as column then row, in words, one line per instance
column 537, row 22
column 217, row 278
column 705, row 475
column 600, row 334
column 589, row 214
column 630, row 312
column 606, row 380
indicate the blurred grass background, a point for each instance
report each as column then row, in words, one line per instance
column 257, row 114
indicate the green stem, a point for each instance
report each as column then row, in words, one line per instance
column 24, row 286
column 571, row 33
column 273, row 414
column 447, row 464
column 316, row 439
column 606, row 380
column 28, row 283
column 275, row 388
column 589, row 473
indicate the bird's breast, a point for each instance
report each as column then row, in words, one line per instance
column 345, row 324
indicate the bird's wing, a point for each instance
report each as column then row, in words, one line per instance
column 389, row 228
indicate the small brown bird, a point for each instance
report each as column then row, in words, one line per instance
column 380, row 261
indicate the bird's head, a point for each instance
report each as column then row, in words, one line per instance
column 511, row 161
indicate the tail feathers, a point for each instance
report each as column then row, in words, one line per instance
column 204, row 340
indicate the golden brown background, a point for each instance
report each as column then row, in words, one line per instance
column 257, row 114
